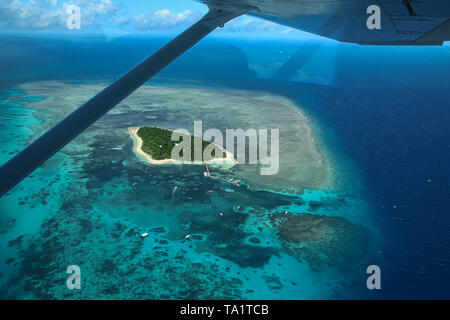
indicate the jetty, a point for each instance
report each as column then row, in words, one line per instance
column 207, row 174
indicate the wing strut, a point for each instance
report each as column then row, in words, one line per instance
column 25, row 162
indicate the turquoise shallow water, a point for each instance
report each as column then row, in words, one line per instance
column 90, row 204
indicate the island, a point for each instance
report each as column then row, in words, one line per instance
column 155, row 145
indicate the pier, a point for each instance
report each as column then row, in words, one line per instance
column 207, row 174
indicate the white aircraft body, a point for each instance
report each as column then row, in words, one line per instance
column 407, row 22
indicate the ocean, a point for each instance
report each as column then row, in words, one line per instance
column 380, row 115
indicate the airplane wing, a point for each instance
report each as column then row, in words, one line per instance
column 402, row 22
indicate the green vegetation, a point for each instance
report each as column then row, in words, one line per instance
column 157, row 143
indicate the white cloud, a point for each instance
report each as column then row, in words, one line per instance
column 249, row 24
column 164, row 19
column 106, row 14
column 51, row 14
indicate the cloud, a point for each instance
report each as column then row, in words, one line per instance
column 251, row 24
column 51, row 14
column 107, row 14
column 164, row 19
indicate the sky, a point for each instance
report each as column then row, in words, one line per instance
column 117, row 17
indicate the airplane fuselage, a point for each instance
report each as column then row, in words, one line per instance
column 401, row 21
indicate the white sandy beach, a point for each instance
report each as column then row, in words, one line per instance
column 137, row 148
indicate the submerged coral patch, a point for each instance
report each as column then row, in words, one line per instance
column 322, row 240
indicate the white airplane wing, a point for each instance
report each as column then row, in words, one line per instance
column 401, row 22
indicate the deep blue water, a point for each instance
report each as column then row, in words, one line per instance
column 387, row 109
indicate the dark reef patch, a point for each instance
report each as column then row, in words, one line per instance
column 158, row 230
column 16, row 242
column 323, row 240
column 225, row 237
column 327, row 203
